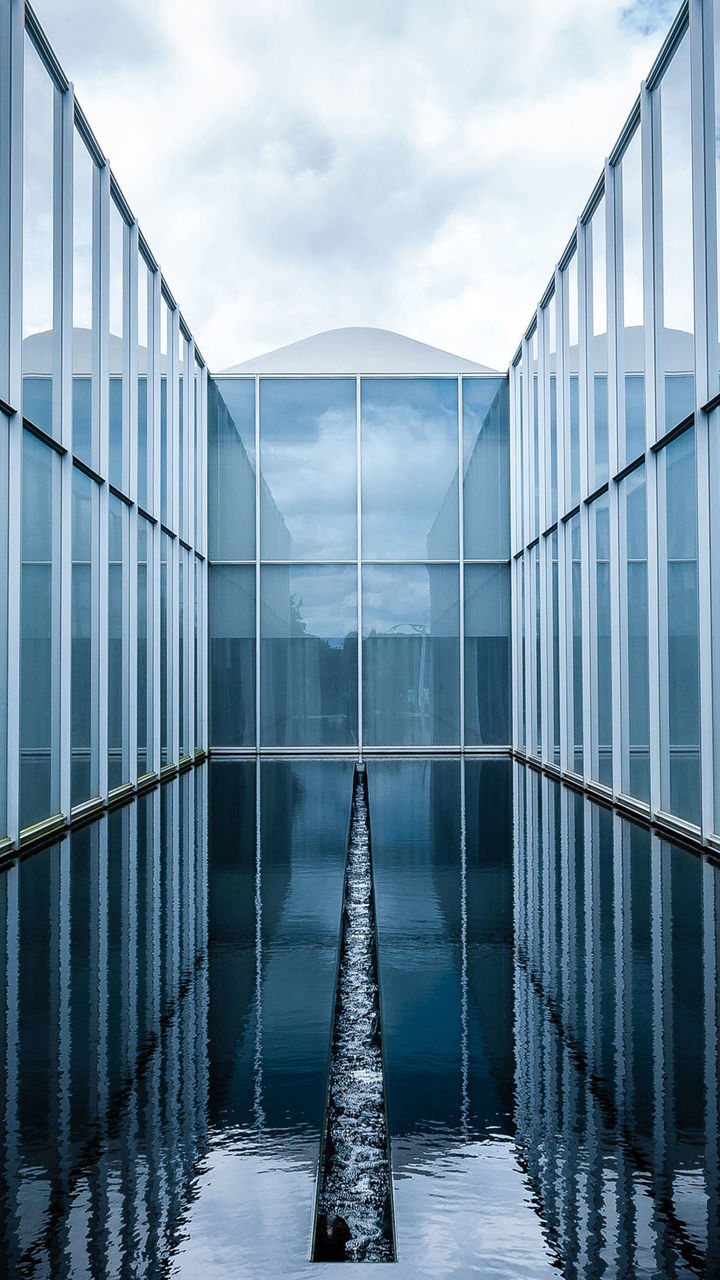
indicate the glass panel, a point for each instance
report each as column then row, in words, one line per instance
column 308, row 655
column 182, row 420
column 411, row 664
column 83, row 220
column 409, row 468
column 600, row 644
column 676, row 355
column 486, row 452
column 40, row 340
column 200, row 481
column 522, row 728
column 487, row 654
column 231, row 469
column 231, row 605
column 182, row 654
column 39, row 634
column 555, row 639
column 635, row 641
column 165, row 669
column 551, row 404
column 144, row 668
column 631, row 345
column 145, row 294
column 117, row 665
column 572, row 391
column 84, row 783
column 4, row 492
column 537, row 622
column 308, row 452
column 681, row 772
column 165, row 425
column 576, row 691
column 598, row 354
column 522, row 453
column 535, row 441
column 118, row 230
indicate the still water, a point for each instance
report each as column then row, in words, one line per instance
column 549, row 978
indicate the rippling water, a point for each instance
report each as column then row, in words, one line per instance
column 549, row 981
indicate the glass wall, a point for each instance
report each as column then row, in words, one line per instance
column 396, row 528
column 79, row 460
column 637, row 540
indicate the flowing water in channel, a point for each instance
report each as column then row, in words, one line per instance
column 550, row 1021
column 354, row 1220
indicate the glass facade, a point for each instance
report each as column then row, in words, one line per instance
column 399, row 559
column 369, row 551
column 96, row 363
column 625, row 345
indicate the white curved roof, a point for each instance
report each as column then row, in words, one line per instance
column 358, row 350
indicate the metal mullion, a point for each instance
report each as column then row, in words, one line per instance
column 358, row 481
column 515, row 651
column 190, row 655
column 585, row 561
column 203, row 620
column 542, row 463
column 191, row 436
column 101, row 277
column 545, row 673
column 622, row 735
column 6, row 206
column 64, row 433
column 173, row 566
column 173, row 423
column 461, row 559
column 702, row 16
column 515, row 457
column 154, row 532
column 527, row 425
column 130, row 328
column 190, row 443
column 257, row 563
column 701, row 163
column 173, row 656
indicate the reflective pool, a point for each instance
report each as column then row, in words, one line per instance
column 549, row 980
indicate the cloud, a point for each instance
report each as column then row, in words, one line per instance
column 297, row 167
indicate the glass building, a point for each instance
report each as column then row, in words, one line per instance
column 340, row 546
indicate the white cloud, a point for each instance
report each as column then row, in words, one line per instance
column 300, row 166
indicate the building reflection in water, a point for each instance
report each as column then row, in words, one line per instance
column 104, row 1012
column 550, row 1001
column 617, row 1015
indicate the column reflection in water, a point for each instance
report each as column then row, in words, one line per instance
column 102, row 1039
column 616, row 1037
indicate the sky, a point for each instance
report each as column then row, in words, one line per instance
column 301, row 165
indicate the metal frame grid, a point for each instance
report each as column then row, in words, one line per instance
column 71, row 129
column 695, row 23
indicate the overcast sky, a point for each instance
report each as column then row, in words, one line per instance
column 298, row 165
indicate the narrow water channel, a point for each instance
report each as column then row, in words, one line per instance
column 354, row 1218
column 550, row 1019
